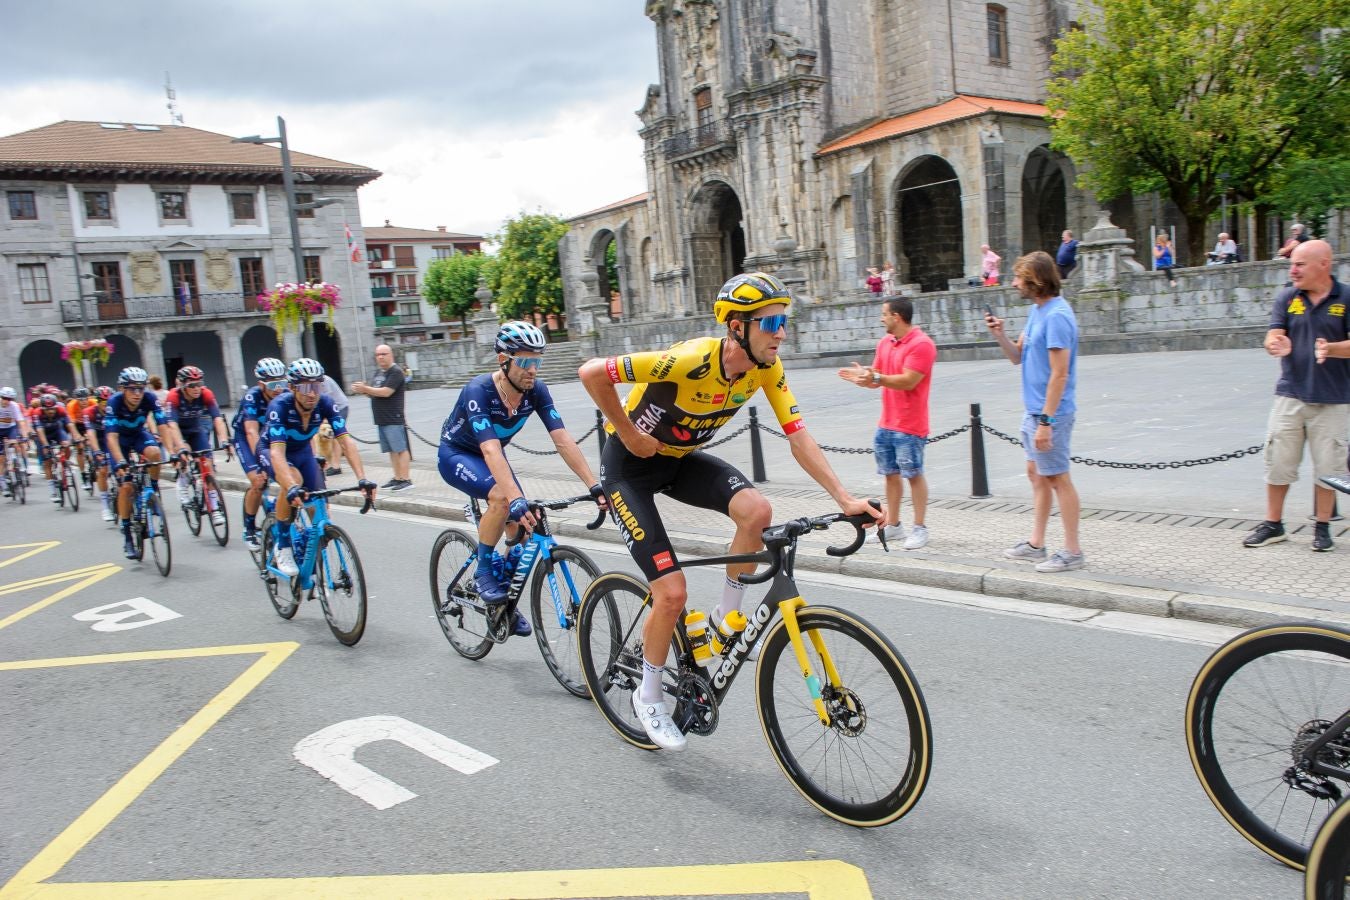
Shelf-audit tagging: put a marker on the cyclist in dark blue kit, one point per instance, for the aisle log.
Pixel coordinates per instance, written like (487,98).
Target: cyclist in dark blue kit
(293,418)
(131,425)
(249,444)
(490,411)
(192,414)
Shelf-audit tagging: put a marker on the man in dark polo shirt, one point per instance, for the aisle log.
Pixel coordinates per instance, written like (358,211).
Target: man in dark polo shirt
(1309,334)
(386,391)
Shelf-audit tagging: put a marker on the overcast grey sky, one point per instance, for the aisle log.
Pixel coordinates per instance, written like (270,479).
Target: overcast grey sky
(474,111)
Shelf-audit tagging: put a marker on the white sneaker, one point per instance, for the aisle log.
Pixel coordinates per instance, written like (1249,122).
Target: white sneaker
(108,514)
(894,533)
(56,492)
(656,721)
(285,562)
(218,519)
(918,538)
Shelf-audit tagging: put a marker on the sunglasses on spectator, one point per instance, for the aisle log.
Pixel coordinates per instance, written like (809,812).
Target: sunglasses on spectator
(307,387)
(273,386)
(528,362)
(771,324)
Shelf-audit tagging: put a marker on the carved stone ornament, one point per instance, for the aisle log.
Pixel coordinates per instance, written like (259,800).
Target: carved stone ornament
(218,276)
(146,271)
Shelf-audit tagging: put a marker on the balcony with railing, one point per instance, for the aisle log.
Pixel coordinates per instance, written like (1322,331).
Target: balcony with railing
(379,293)
(401,319)
(161,307)
(712,138)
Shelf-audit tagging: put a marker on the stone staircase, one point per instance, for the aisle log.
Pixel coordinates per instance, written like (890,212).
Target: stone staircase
(561,360)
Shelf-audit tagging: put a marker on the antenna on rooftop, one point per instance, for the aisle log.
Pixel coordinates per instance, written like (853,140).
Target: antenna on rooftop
(175,117)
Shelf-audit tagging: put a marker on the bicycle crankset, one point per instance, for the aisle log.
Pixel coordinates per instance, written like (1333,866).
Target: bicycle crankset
(695,708)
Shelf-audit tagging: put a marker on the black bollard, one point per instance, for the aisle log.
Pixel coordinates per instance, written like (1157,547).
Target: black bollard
(756,450)
(600,430)
(979,474)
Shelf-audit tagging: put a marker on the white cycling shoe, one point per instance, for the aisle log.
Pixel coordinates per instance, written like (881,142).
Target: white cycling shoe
(285,562)
(656,721)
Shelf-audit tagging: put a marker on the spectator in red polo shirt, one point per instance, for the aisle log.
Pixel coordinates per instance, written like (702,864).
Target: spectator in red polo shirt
(902,369)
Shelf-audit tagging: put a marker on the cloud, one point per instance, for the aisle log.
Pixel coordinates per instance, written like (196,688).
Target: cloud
(473,112)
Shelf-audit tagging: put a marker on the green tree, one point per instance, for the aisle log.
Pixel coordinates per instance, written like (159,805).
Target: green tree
(450,283)
(1192,98)
(1311,188)
(526,277)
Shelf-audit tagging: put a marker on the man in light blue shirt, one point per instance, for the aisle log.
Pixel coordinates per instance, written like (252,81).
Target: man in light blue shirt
(1048,354)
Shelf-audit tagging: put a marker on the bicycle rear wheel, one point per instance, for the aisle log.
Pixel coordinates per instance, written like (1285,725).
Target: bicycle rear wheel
(1329,858)
(613,612)
(18,481)
(221,531)
(571,572)
(1257,702)
(71,486)
(192,510)
(283,592)
(870,764)
(452,569)
(157,533)
(341,585)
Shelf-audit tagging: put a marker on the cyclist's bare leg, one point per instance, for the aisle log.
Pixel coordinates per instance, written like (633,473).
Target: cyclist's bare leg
(492,523)
(153,456)
(257,481)
(752,513)
(285,510)
(669,593)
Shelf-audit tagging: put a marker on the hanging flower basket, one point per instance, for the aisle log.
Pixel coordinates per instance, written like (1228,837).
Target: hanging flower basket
(96,351)
(291,305)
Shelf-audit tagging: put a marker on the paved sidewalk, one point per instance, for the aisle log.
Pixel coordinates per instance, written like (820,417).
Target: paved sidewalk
(1189,567)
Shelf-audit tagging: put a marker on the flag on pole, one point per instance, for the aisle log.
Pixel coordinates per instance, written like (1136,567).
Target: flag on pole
(184,297)
(353,251)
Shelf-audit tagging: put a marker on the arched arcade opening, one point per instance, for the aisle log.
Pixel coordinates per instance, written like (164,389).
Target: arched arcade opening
(1044,202)
(716,240)
(931,231)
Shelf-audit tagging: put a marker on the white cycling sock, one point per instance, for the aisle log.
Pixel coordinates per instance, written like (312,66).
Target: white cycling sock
(733,592)
(651,683)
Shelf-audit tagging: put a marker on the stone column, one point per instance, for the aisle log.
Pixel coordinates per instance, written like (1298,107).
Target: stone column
(785,246)
(591,310)
(484,320)
(1105,257)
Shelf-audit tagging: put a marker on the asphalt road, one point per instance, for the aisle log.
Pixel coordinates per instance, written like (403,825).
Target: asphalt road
(1060,767)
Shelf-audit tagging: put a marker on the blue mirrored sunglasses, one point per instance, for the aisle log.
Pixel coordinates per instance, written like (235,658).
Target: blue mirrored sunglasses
(771,323)
(528,362)
(274,386)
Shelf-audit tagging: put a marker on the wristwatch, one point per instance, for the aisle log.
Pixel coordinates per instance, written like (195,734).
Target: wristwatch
(876,377)
(1043,419)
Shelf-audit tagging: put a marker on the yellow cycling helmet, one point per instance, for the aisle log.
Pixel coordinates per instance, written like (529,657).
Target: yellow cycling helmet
(748,292)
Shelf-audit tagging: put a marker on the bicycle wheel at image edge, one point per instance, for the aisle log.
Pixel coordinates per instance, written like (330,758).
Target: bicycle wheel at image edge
(452,570)
(609,635)
(1255,704)
(283,592)
(157,533)
(221,531)
(870,765)
(572,572)
(340,583)
(192,510)
(1329,858)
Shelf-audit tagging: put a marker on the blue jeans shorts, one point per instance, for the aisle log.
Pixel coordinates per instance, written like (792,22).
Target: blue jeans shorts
(898,453)
(393,439)
(1054,461)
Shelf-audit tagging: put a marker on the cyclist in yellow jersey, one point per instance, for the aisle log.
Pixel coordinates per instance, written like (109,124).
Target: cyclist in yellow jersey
(683,396)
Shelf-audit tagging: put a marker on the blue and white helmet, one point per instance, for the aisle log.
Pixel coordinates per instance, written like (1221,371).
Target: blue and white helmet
(132,375)
(269,367)
(7,393)
(304,369)
(514,336)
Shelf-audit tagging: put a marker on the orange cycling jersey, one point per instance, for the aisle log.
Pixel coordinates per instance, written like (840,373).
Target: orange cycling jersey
(683,395)
(77,407)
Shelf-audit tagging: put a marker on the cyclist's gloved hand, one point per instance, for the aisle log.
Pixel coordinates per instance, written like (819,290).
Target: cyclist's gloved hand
(518,509)
(121,464)
(597,491)
(297,492)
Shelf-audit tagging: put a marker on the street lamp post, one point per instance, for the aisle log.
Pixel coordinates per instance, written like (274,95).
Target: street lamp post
(288,179)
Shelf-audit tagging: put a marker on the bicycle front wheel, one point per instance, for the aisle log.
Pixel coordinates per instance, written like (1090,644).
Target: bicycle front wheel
(869,765)
(341,585)
(614,610)
(1329,858)
(569,572)
(157,533)
(453,562)
(1254,707)
(71,486)
(192,510)
(221,531)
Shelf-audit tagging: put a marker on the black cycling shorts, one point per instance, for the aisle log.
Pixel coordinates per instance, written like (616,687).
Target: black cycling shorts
(632,483)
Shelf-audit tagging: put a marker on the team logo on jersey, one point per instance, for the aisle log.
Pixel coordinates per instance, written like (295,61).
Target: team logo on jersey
(1337,309)
(734,481)
(663,560)
(632,527)
(701,372)
(679,433)
(480,424)
(738,398)
(553,414)
(663,366)
(1296,306)
(628,368)
(465,474)
(273,416)
(473,406)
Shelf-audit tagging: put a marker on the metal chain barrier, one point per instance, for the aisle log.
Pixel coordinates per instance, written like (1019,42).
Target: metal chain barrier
(932,440)
(1176,464)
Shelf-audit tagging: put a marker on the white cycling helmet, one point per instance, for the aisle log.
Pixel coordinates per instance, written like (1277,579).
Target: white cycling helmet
(132,375)
(514,336)
(7,393)
(304,369)
(269,367)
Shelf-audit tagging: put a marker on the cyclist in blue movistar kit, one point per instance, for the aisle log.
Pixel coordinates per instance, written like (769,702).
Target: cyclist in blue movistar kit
(249,443)
(131,425)
(293,419)
(490,411)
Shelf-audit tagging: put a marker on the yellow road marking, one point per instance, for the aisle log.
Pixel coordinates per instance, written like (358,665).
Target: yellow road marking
(818,880)
(83,578)
(33,550)
(60,851)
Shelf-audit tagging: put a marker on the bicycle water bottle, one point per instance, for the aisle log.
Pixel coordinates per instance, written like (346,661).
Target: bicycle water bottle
(498,566)
(512,558)
(299,541)
(696,627)
(730,626)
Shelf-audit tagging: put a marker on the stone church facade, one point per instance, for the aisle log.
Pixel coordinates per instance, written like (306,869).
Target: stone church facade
(816,139)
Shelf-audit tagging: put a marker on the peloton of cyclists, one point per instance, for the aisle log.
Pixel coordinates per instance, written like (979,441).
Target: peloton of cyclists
(132,425)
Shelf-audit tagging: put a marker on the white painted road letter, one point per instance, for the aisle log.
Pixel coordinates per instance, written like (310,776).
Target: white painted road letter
(331,752)
(126,615)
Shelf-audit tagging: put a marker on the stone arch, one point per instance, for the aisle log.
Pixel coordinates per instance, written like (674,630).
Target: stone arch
(256,343)
(717,239)
(657,302)
(328,351)
(1045,212)
(604,244)
(126,352)
(197,348)
(929,224)
(40,363)
(845,245)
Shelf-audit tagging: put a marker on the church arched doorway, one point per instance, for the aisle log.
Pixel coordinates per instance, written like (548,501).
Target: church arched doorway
(1044,205)
(716,240)
(40,363)
(931,234)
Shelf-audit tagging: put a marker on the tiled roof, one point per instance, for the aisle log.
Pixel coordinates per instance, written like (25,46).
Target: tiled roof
(636,198)
(89,147)
(375,234)
(955,109)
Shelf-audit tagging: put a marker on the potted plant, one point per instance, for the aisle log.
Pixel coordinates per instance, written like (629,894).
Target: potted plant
(291,304)
(96,351)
